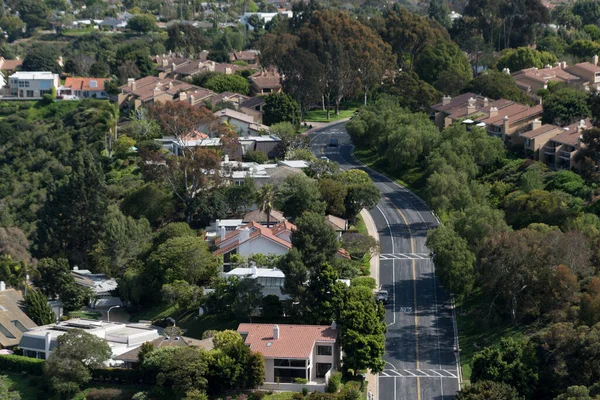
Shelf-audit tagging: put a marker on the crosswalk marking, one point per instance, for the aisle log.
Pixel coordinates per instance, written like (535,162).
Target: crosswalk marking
(404,256)
(418,373)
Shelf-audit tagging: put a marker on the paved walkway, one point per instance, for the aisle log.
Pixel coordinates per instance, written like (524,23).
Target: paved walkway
(372,379)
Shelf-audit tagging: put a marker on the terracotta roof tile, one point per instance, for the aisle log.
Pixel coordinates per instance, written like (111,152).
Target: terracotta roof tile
(295,341)
(77,83)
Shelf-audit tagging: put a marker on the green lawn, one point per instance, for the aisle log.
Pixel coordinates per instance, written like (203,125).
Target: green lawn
(85,314)
(279,396)
(346,111)
(476,331)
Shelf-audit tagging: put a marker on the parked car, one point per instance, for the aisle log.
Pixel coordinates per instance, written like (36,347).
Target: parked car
(334,142)
(382,296)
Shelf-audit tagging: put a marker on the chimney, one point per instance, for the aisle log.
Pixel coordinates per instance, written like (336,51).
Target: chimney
(506,71)
(595,59)
(228,71)
(47,341)
(581,125)
(173,66)
(226,159)
(493,111)
(275,331)
(564,64)
(254,270)
(131,84)
(156,90)
(223,232)
(471,106)
(548,66)
(2,286)
(486,102)
(170,85)
(165,62)
(536,123)
(182,96)
(579,139)
(191,99)
(506,125)
(76,268)
(333,325)
(446,100)
(244,234)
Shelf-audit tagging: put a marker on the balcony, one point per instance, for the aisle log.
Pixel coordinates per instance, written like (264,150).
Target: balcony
(549,151)
(565,155)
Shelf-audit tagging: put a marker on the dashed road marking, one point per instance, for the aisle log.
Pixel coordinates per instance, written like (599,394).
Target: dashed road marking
(418,373)
(404,256)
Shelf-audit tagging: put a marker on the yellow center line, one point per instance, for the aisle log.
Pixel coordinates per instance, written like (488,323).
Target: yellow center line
(414,276)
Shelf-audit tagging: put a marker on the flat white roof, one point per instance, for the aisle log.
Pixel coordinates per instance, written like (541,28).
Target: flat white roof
(294,163)
(256,272)
(33,75)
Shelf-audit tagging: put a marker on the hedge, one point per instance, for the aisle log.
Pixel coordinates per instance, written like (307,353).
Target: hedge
(118,375)
(14,363)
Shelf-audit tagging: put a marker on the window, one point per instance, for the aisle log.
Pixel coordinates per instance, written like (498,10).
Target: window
(324,350)
(43,92)
(29,93)
(322,369)
(280,362)
(19,325)
(6,332)
(93,84)
(285,375)
(24,84)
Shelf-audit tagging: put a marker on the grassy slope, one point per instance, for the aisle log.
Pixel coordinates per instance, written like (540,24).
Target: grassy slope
(346,111)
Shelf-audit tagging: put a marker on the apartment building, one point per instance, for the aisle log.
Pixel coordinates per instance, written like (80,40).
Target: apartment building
(31,85)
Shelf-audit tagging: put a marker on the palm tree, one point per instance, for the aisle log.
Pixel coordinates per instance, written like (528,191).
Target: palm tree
(266,198)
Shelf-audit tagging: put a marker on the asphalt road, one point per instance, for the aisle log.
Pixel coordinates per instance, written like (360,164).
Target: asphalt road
(420,359)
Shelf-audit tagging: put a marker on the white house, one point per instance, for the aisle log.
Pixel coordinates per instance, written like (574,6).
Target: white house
(31,85)
(308,352)
(102,286)
(245,124)
(39,342)
(271,280)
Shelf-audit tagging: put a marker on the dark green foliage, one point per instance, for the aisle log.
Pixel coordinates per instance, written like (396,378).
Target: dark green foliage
(496,85)
(19,364)
(523,57)
(444,66)
(234,298)
(55,281)
(258,157)
(315,239)
(280,107)
(412,92)
(41,59)
(149,201)
(72,217)
(334,382)
(271,307)
(228,83)
(565,106)
(324,296)
(38,309)
(488,390)
(297,195)
(142,23)
(34,13)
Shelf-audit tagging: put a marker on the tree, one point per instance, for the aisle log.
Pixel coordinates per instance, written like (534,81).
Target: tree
(576,393)
(173,230)
(588,10)
(77,353)
(266,197)
(444,58)
(297,195)
(360,197)
(41,59)
(439,10)
(488,390)
(271,307)
(149,201)
(181,293)
(524,57)
(35,14)
(496,85)
(412,92)
(359,245)
(72,217)
(142,23)
(590,303)
(14,273)
(514,363)
(477,222)
(241,197)
(145,349)
(362,330)
(228,83)
(6,392)
(551,208)
(324,296)
(280,107)
(183,258)
(453,260)
(565,106)
(195,170)
(122,146)
(100,69)
(333,194)
(315,239)
(296,275)
(38,309)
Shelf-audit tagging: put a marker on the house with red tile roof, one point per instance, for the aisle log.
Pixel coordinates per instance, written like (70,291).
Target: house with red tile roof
(254,238)
(308,352)
(84,88)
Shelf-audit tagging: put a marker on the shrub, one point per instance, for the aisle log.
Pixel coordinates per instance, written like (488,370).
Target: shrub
(305,391)
(32,366)
(258,394)
(297,396)
(256,156)
(300,380)
(334,382)
(104,394)
(210,333)
(364,281)
(117,375)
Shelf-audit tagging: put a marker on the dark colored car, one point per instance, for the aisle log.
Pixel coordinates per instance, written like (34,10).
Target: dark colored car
(334,142)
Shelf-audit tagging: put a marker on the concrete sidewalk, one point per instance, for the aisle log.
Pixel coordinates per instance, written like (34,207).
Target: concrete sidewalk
(372,379)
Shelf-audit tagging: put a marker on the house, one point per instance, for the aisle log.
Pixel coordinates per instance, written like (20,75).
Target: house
(255,238)
(181,67)
(245,124)
(266,144)
(340,225)
(260,217)
(560,150)
(13,321)
(250,57)
(253,106)
(39,342)
(271,280)
(10,66)
(235,99)
(113,23)
(265,82)
(588,72)
(31,85)
(84,88)
(151,89)
(102,287)
(535,139)
(531,80)
(131,359)
(502,118)
(310,352)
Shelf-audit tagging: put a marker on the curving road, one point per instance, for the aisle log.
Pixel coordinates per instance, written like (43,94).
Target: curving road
(420,358)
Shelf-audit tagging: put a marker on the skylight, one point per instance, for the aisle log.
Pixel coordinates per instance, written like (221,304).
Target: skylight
(93,84)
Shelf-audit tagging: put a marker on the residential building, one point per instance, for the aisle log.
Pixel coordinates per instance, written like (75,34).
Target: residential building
(244,124)
(260,217)
(531,80)
(253,106)
(340,225)
(250,57)
(235,99)
(39,342)
(265,82)
(10,66)
(102,287)
(13,321)
(151,89)
(502,118)
(31,85)
(589,72)
(181,67)
(271,280)
(131,359)
(254,238)
(308,352)
(560,150)
(84,88)
(266,144)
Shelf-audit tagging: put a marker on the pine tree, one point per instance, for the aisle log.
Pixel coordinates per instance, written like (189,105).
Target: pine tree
(72,217)
(38,309)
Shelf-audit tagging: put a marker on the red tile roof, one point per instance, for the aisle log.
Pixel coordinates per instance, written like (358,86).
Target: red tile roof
(295,341)
(77,83)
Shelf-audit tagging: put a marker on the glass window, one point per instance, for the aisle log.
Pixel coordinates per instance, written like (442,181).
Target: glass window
(29,93)
(282,363)
(19,325)
(322,369)
(285,375)
(6,332)
(297,363)
(324,350)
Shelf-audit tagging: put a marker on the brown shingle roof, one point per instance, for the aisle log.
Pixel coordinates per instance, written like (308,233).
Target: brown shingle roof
(588,66)
(10,311)
(266,80)
(261,216)
(539,131)
(337,223)
(295,341)
(144,88)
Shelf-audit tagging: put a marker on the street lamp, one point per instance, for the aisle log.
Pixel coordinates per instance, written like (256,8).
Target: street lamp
(108,313)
